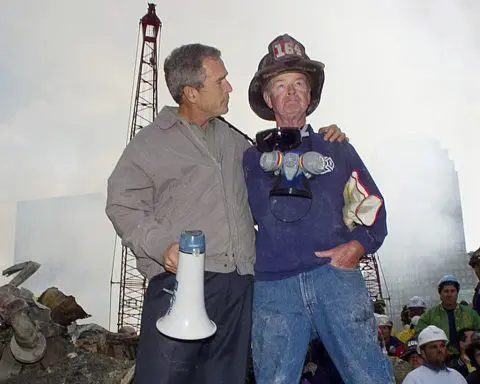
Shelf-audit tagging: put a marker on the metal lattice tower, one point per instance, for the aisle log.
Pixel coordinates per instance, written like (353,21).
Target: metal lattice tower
(369,266)
(144,110)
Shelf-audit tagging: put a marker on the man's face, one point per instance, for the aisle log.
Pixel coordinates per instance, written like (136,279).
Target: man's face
(213,97)
(288,94)
(449,295)
(415,311)
(434,353)
(386,331)
(415,360)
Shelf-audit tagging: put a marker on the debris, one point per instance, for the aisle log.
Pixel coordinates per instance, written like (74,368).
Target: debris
(128,378)
(64,309)
(85,368)
(25,269)
(41,343)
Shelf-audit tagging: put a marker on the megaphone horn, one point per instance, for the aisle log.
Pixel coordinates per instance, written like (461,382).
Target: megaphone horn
(187,318)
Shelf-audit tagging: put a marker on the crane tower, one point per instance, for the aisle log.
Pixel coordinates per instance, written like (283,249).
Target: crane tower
(132,284)
(369,266)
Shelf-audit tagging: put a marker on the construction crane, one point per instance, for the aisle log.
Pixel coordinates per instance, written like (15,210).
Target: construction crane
(132,284)
(371,271)
(371,274)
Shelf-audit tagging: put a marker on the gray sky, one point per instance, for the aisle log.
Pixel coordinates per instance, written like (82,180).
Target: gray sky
(392,68)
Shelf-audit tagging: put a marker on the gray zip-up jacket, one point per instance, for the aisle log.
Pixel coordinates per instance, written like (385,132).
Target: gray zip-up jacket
(166,181)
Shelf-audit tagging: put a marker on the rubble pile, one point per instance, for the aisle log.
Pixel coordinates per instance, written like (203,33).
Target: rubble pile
(77,367)
(41,342)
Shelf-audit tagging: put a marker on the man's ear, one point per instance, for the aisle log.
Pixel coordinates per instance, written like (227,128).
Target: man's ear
(267,99)
(190,94)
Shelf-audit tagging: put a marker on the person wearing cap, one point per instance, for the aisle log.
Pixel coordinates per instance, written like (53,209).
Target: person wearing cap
(410,354)
(473,353)
(449,315)
(474,262)
(184,171)
(415,308)
(393,345)
(432,343)
(309,241)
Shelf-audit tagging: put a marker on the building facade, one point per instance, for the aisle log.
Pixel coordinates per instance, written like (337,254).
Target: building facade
(426,235)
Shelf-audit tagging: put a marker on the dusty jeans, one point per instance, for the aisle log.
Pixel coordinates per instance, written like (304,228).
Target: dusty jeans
(332,301)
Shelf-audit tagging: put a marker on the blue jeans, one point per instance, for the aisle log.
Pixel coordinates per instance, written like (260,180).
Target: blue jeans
(331,301)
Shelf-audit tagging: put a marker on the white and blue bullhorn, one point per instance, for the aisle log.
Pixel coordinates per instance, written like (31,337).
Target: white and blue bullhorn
(187,318)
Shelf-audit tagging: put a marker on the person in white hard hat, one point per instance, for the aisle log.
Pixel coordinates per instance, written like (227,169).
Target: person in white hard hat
(416,307)
(409,331)
(432,346)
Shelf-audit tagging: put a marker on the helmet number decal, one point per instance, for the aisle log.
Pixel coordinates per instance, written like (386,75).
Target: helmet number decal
(283,48)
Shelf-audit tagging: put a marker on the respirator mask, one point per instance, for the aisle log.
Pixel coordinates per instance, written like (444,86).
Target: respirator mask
(290,198)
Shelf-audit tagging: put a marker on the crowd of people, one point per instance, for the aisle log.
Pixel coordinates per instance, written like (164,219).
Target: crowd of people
(440,344)
(286,219)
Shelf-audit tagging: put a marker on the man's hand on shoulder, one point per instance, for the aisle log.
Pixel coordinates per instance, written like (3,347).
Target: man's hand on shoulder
(170,258)
(333,133)
(346,256)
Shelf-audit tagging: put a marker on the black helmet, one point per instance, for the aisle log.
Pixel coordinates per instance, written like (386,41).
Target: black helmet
(285,54)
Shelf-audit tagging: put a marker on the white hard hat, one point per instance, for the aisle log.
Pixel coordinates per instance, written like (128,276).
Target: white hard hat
(416,302)
(429,334)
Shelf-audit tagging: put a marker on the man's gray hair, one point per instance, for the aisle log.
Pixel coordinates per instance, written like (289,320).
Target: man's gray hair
(184,67)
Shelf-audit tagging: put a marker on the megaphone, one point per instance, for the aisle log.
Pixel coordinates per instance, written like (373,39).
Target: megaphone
(187,318)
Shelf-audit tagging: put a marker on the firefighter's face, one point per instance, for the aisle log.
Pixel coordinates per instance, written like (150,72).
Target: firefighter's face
(288,94)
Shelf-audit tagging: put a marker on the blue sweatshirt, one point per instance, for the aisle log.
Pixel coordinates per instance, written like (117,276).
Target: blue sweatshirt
(287,249)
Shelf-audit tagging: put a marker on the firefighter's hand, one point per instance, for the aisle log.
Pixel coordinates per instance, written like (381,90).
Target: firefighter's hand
(170,258)
(333,133)
(344,256)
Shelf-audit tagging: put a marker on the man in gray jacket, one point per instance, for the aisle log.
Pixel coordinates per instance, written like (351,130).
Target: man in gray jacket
(184,171)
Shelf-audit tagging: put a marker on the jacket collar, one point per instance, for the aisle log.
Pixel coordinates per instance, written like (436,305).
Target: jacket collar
(168,117)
